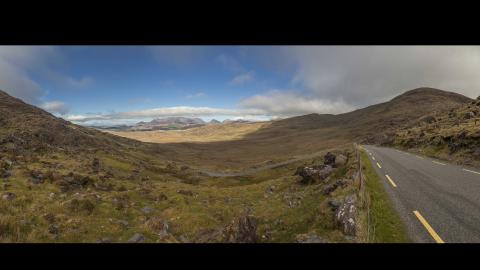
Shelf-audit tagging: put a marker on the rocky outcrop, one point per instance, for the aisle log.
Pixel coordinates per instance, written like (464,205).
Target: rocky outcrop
(329,159)
(241,230)
(314,174)
(340,160)
(345,216)
(331,188)
(158,225)
(137,238)
(309,238)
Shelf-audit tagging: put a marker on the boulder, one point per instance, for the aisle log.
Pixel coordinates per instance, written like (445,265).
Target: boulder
(308,238)
(314,174)
(345,216)
(147,210)
(469,115)
(241,230)
(185,192)
(37,177)
(5,174)
(329,159)
(209,236)
(158,225)
(105,240)
(137,238)
(340,160)
(333,204)
(72,182)
(331,188)
(428,119)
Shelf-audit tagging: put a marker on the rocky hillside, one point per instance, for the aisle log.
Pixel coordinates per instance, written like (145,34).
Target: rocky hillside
(61,182)
(452,135)
(25,127)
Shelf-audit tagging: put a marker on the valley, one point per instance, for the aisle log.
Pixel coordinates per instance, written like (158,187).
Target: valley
(288,180)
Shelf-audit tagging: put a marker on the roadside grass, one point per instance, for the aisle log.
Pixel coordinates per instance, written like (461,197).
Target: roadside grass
(383,222)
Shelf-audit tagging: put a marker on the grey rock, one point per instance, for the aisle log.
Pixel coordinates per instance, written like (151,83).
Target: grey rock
(345,216)
(314,174)
(123,222)
(137,238)
(53,229)
(105,240)
(5,174)
(309,238)
(331,188)
(329,159)
(334,204)
(183,239)
(147,210)
(241,230)
(340,160)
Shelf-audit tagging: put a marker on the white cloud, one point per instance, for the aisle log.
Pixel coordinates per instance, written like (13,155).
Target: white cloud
(364,75)
(166,112)
(243,78)
(55,107)
(19,63)
(291,103)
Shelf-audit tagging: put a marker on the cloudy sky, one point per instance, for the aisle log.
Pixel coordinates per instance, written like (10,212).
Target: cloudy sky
(105,85)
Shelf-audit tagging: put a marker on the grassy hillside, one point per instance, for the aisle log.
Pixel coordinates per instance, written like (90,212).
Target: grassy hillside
(65,183)
(452,135)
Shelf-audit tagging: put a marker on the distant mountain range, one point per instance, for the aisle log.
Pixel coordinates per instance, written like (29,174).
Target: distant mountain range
(169,123)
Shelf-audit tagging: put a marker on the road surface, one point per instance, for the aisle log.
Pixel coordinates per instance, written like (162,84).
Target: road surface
(439,202)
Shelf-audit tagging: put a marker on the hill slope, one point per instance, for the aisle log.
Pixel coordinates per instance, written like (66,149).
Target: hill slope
(61,182)
(28,127)
(282,139)
(453,135)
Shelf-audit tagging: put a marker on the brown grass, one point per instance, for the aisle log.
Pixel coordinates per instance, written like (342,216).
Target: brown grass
(208,133)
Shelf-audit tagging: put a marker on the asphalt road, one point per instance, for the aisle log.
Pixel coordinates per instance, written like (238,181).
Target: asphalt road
(438,202)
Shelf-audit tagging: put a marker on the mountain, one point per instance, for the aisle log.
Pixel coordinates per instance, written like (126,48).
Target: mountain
(26,127)
(214,121)
(297,136)
(61,182)
(452,135)
(229,121)
(366,123)
(169,123)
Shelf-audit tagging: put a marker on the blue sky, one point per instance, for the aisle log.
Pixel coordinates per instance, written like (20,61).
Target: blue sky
(126,84)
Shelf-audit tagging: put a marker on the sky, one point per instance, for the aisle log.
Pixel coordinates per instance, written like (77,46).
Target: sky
(112,85)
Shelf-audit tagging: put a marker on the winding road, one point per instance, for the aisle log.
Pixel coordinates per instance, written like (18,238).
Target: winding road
(439,202)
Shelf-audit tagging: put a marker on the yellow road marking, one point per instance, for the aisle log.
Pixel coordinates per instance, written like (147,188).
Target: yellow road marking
(438,162)
(419,156)
(429,228)
(373,157)
(471,171)
(379,165)
(391,181)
